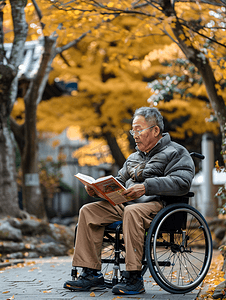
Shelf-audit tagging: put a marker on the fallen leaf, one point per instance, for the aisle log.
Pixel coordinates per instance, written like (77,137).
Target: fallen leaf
(31,270)
(31,263)
(6,292)
(46,292)
(92,294)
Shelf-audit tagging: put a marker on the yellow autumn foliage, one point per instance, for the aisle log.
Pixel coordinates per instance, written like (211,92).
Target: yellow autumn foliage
(114,62)
(97,151)
(18,112)
(198,121)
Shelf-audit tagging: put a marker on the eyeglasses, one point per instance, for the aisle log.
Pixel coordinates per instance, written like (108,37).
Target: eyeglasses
(138,132)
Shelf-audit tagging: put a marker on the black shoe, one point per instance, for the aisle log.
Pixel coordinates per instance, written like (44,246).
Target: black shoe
(131,284)
(87,281)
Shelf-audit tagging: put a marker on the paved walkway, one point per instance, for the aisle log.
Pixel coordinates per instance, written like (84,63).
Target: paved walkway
(43,279)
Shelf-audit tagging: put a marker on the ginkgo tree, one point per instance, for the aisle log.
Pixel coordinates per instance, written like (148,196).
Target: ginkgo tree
(17,32)
(112,77)
(181,95)
(110,85)
(109,89)
(197,27)
(109,104)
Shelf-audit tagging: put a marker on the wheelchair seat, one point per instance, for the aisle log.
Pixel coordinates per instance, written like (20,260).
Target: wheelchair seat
(113,225)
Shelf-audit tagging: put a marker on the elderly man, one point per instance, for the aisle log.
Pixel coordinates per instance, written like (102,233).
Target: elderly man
(158,167)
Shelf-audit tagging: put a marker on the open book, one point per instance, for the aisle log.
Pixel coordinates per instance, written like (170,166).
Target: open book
(106,187)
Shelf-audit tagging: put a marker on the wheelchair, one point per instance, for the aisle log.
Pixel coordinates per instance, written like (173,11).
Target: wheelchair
(177,249)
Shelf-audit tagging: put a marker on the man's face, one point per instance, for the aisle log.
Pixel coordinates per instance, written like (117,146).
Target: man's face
(147,139)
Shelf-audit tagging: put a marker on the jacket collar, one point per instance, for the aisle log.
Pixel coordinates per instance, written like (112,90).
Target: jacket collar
(158,146)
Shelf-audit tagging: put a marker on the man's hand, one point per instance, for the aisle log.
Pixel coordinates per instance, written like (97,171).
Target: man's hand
(135,191)
(91,192)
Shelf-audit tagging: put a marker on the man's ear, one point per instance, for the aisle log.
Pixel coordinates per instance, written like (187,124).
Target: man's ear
(156,131)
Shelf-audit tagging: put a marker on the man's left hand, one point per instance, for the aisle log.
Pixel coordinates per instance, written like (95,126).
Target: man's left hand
(134,191)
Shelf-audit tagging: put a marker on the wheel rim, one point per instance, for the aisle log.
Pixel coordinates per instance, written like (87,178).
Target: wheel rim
(183,263)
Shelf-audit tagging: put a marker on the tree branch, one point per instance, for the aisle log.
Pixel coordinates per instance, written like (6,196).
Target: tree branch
(205,36)
(73,43)
(39,13)
(1,38)
(18,131)
(20,32)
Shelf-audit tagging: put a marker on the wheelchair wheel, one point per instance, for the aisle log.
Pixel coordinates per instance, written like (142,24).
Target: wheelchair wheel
(178,248)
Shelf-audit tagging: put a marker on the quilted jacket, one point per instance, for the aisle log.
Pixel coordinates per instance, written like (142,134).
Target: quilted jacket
(167,169)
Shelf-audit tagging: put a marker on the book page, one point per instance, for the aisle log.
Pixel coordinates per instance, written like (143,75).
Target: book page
(113,189)
(109,185)
(104,178)
(85,178)
(116,197)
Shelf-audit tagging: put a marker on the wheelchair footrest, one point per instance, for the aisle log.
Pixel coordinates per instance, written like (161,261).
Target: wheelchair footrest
(74,273)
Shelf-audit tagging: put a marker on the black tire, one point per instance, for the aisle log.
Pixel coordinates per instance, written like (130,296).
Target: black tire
(178,248)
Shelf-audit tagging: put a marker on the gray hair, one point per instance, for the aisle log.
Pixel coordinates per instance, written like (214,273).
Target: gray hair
(151,114)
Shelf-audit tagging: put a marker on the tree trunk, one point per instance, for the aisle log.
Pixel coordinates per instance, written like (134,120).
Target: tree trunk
(202,63)
(216,101)
(115,149)
(8,187)
(32,197)
(31,189)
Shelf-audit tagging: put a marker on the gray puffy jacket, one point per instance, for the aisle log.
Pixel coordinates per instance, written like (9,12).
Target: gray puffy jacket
(167,169)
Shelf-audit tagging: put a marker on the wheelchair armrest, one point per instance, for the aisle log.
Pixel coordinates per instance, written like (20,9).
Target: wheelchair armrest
(189,195)
(177,199)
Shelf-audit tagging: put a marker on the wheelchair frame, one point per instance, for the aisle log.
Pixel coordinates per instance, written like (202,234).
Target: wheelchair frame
(177,248)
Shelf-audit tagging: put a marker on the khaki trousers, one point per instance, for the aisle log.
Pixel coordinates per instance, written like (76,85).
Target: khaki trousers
(93,218)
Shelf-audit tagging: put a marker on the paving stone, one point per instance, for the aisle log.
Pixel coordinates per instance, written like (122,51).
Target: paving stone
(43,279)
